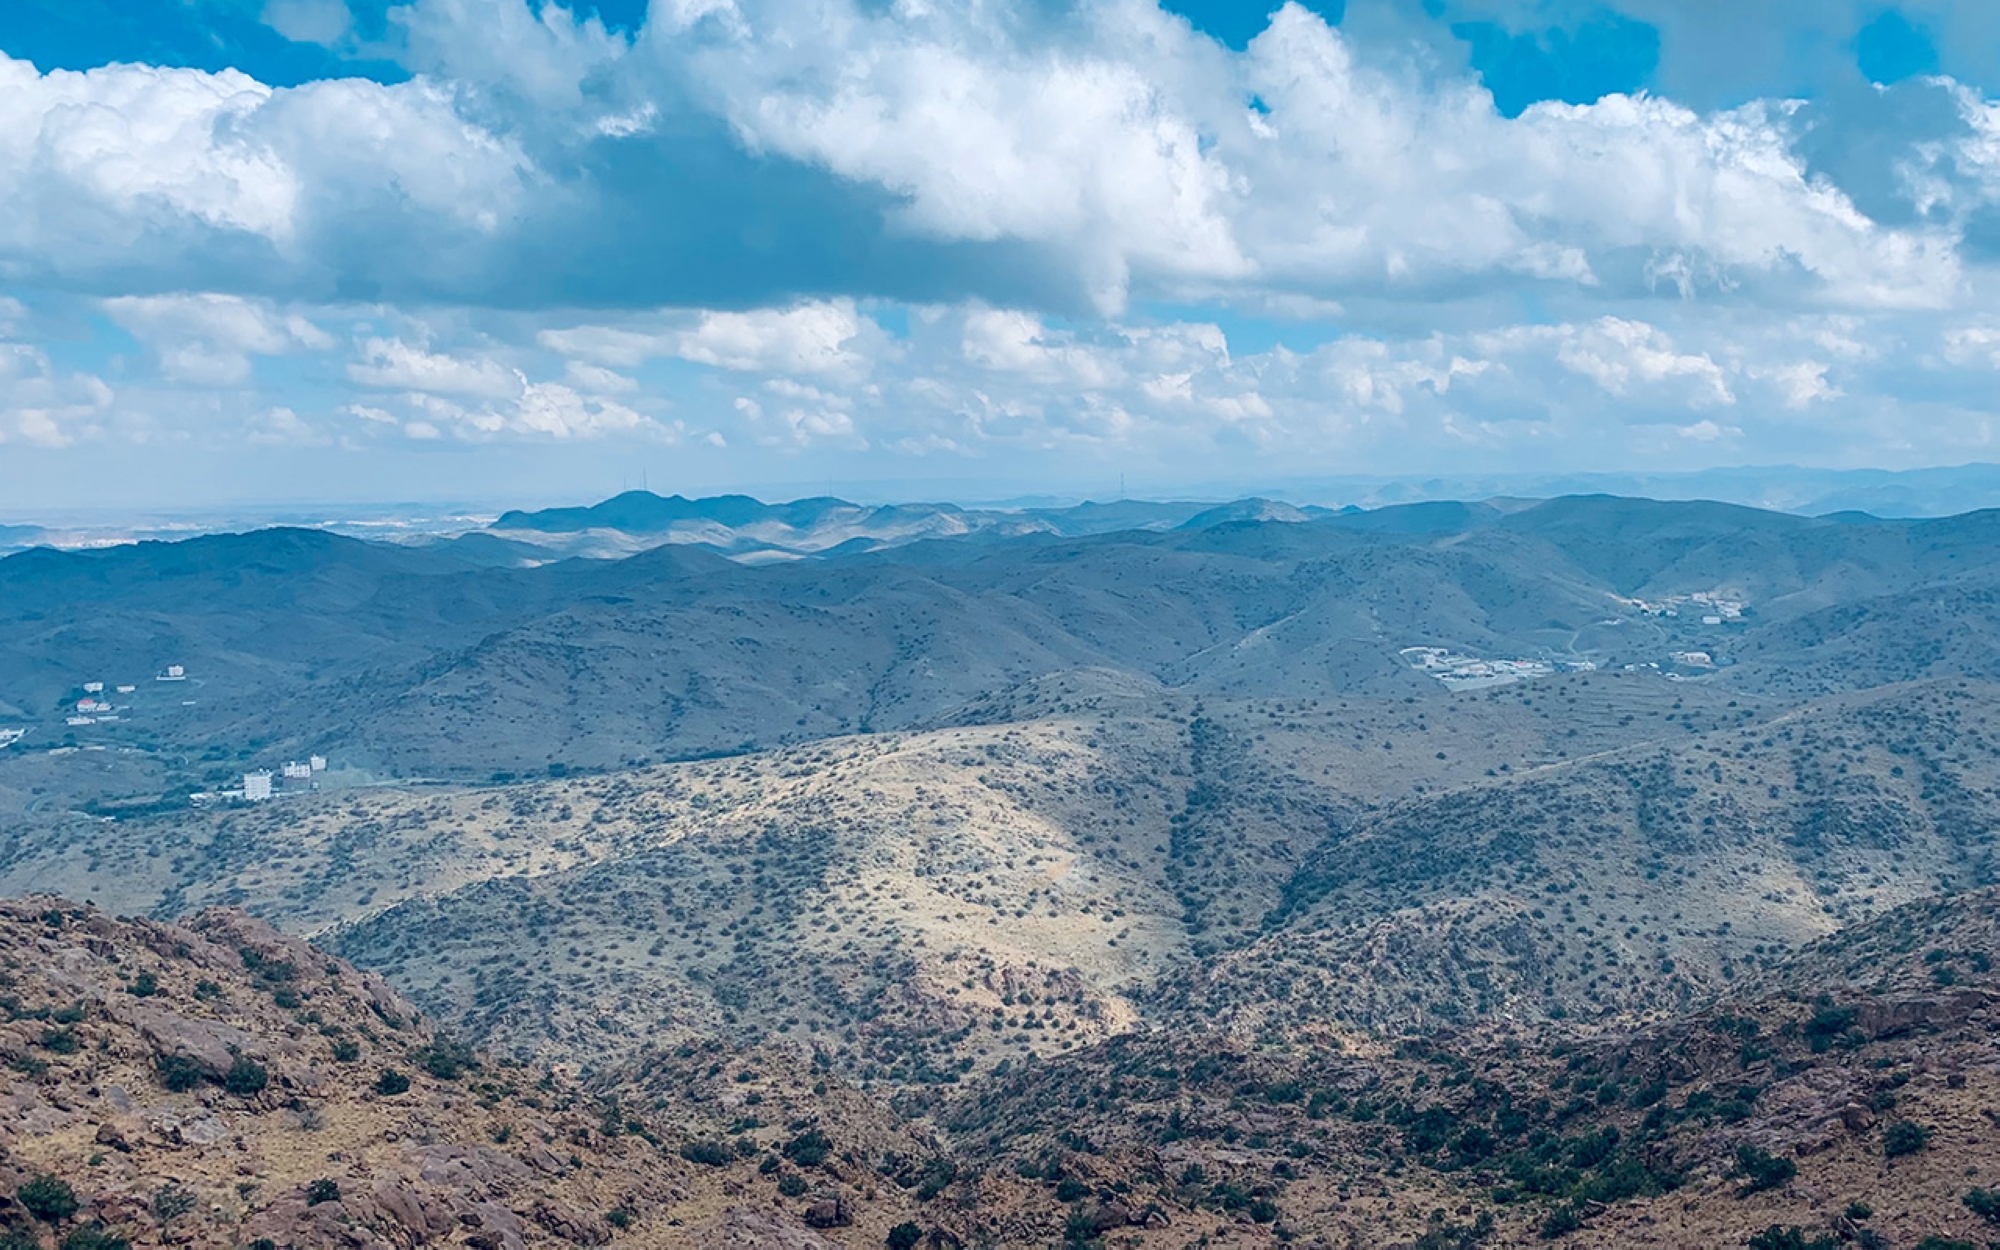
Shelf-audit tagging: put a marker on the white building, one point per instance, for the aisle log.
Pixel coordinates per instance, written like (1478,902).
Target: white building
(317,763)
(93,687)
(174,673)
(126,689)
(295,771)
(257,786)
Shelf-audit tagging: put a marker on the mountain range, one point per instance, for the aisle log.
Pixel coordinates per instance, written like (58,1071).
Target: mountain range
(1453,873)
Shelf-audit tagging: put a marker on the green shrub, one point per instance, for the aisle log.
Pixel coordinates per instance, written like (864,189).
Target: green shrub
(1904,1137)
(809,1149)
(47,1198)
(904,1236)
(94,1237)
(791,1184)
(179,1073)
(1985,1204)
(1763,1170)
(391,1083)
(712,1153)
(346,1050)
(449,1060)
(171,1202)
(1562,1221)
(324,1189)
(246,1077)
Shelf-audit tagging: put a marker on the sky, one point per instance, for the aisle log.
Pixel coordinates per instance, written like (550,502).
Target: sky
(364,250)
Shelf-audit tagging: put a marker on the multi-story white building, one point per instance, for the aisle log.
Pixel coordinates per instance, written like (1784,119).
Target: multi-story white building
(257,786)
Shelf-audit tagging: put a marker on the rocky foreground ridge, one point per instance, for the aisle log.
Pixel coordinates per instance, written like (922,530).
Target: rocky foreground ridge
(217,1083)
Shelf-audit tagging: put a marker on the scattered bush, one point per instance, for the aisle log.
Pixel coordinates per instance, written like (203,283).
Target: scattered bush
(391,1083)
(47,1198)
(324,1189)
(246,1077)
(1905,1137)
(792,1185)
(1985,1204)
(809,1149)
(1762,1170)
(94,1237)
(711,1153)
(904,1236)
(449,1060)
(171,1202)
(179,1073)
(1562,1221)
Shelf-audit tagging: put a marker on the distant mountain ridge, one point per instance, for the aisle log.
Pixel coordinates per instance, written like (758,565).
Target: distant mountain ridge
(748,528)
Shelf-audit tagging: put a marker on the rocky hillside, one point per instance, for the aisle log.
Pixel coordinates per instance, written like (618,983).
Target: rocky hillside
(1852,1097)
(220,1084)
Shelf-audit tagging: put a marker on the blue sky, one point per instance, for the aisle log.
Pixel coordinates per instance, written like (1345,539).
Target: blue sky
(260,250)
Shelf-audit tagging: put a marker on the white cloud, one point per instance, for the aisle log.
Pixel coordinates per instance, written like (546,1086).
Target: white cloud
(812,338)
(135,168)
(1130,150)
(392,364)
(1621,355)
(207,339)
(41,406)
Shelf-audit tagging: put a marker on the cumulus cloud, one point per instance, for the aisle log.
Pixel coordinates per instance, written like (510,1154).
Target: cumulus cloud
(44,407)
(392,364)
(133,172)
(208,339)
(967,230)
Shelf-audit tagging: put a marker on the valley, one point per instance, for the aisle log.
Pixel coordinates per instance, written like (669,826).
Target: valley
(1273,841)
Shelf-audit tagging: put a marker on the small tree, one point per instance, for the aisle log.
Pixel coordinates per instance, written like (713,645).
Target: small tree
(809,1149)
(1763,1170)
(179,1073)
(904,1236)
(1985,1204)
(47,1198)
(1904,1137)
(171,1202)
(324,1189)
(391,1083)
(246,1077)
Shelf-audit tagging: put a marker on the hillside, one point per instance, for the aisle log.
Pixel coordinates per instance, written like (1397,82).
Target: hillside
(1847,1098)
(219,1084)
(1633,882)
(453,662)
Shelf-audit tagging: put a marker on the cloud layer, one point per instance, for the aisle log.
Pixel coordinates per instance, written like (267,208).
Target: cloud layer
(1012,232)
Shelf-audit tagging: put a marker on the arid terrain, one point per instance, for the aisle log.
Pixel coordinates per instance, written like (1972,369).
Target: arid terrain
(1592,870)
